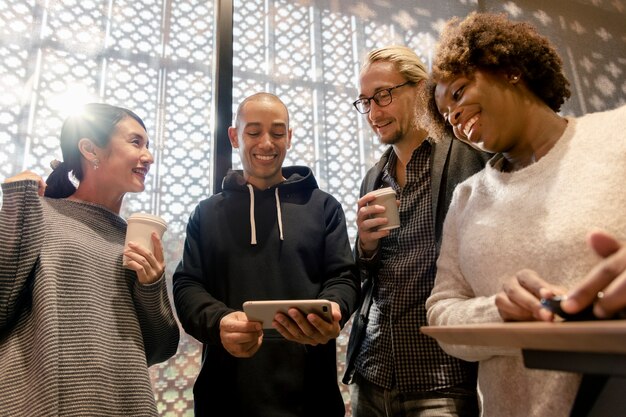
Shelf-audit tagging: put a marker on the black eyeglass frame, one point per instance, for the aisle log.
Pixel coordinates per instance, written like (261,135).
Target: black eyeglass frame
(369,99)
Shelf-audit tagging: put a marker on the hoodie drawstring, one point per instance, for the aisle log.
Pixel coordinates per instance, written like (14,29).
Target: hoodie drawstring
(252,222)
(279,215)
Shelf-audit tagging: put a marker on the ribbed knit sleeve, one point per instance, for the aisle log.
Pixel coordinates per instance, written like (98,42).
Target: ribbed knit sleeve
(21,232)
(156,319)
(453,301)
(79,339)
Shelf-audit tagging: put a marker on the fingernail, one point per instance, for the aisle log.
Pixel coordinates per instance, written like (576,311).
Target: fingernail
(568,304)
(599,312)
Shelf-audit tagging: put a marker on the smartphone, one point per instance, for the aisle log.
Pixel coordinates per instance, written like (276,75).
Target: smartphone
(554,305)
(264,311)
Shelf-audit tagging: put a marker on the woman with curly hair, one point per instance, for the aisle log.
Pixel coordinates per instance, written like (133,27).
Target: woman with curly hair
(515,232)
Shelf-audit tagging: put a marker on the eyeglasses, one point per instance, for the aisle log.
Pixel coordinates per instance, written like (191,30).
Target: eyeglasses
(382,98)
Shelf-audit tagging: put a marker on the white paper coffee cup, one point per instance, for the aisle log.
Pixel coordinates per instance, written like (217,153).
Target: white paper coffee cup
(387,197)
(140,228)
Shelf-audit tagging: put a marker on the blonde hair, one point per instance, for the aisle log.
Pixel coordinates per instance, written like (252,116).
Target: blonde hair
(411,67)
(404,59)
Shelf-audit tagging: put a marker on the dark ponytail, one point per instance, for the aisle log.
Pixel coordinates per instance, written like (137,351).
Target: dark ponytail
(96,122)
(58,182)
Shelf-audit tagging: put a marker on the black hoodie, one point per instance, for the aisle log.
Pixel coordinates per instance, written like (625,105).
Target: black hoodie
(286,242)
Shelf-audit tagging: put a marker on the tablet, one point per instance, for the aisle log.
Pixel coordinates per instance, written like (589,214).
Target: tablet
(264,311)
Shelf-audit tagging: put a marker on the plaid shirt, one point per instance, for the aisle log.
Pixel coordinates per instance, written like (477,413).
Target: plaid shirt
(394,352)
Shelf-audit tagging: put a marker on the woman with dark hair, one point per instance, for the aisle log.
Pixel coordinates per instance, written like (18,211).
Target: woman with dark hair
(515,232)
(97,122)
(77,330)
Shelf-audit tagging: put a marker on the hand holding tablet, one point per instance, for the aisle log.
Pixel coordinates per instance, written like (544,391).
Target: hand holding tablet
(264,311)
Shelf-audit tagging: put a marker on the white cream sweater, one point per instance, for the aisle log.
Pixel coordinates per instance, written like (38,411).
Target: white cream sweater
(537,218)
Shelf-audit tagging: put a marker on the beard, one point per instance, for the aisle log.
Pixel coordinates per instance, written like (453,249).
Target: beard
(393,139)
(400,134)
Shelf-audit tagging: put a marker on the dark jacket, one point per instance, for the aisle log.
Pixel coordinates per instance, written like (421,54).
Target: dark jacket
(451,163)
(230,257)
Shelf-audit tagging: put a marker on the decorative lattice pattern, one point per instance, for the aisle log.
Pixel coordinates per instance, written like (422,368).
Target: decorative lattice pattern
(157,59)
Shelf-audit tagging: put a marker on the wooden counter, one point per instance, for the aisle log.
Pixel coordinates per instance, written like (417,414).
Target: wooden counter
(597,349)
(606,336)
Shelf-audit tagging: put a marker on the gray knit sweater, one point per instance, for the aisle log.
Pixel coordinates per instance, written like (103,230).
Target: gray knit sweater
(77,330)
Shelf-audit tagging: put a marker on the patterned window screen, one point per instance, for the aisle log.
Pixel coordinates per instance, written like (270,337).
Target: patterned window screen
(156,57)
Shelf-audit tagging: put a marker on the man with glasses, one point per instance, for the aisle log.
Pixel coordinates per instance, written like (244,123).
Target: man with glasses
(395,370)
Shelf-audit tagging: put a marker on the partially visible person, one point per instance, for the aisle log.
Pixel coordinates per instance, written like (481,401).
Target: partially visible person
(605,285)
(77,330)
(603,288)
(499,85)
(395,370)
(271,234)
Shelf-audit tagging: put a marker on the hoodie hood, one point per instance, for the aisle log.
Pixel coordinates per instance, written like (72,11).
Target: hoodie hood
(298,179)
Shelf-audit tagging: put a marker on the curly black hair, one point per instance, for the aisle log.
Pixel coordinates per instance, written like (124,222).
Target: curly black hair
(492,42)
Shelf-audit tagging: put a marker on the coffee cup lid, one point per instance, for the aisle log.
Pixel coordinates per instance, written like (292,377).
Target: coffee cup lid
(147,217)
(384,191)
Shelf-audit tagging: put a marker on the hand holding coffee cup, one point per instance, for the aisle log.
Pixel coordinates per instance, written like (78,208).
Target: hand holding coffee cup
(386,197)
(371,216)
(139,231)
